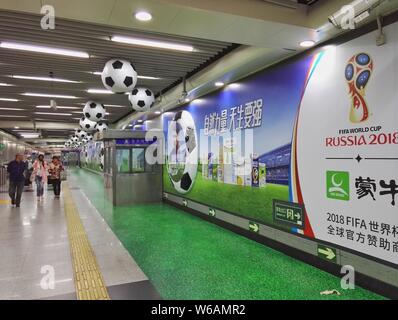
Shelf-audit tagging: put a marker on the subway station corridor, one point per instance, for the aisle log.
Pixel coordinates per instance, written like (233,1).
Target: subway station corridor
(198,159)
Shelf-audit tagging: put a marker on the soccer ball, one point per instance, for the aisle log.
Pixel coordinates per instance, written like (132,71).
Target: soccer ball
(84,141)
(101,127)
(119,76)
(102,158)
(74,139)
(182,144)
(87,124)
(89,137)
(141,99)
(81,134)
(94,111)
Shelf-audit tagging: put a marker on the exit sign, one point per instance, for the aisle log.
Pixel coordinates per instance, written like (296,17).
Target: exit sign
(289,213)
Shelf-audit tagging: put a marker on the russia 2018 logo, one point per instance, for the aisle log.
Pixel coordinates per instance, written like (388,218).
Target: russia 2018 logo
(357,73)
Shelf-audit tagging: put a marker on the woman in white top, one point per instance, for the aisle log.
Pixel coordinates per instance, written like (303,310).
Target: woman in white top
(39,175)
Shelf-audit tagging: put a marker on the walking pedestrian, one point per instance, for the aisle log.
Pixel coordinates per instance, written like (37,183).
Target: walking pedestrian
(39,175)
(16,170)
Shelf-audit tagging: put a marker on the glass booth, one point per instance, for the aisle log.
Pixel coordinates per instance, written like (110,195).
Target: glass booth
(128,178)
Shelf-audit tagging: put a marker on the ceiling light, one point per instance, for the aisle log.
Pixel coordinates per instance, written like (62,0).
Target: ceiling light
(41,49)
(152,43)
(307,43)
(58,107)
(46,95)
(113,106)
(219,84)
(16,127)
(143,16)
(8,99)
(158,112)
(2,84)
(44,79)
(187,100)
(12,109)
(140,121)
(11,116)
(54,113)
(99,91)
(234,85)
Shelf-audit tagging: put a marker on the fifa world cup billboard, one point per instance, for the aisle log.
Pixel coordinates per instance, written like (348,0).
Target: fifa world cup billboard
(309,146)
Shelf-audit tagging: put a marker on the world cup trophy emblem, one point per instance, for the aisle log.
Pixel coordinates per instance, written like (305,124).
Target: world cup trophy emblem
(357,73)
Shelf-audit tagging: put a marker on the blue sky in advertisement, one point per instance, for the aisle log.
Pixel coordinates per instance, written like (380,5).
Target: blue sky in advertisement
(280,88)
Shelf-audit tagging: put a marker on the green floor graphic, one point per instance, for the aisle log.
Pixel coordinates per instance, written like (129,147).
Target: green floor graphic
(186,257)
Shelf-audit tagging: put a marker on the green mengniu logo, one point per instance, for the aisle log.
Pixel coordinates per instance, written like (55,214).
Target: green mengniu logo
(338,185)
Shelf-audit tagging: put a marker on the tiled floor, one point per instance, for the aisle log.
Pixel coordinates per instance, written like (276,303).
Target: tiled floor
(35,236)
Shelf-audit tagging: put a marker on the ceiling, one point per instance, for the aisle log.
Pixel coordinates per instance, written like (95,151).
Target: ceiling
(167,65)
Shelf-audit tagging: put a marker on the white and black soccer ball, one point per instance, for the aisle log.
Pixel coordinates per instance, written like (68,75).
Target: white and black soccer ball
(101,127)
(94,111)
(89,137)
(119,76)
(87,124)
(81,134)
(182,146)
(141,99)
(84,141)
(102,158)
(74,139)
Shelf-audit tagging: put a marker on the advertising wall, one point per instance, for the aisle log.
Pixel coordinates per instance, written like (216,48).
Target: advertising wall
(92,156)
(322,135)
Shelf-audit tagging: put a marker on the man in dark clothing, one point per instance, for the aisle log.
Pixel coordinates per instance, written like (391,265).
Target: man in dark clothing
(16,169)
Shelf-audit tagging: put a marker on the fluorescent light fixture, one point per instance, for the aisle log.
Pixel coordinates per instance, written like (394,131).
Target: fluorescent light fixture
(307,43)
(187,100)
(234,85)
(44,79)
(46,95)
(58,107)
(12,109)
(143,16)
(42,49)
(16,127)
(11,116)
(219,84)
(158,112)
(30,135)
(54,113)
(114,106)
(99,73)
(99,91)
(2,84)
(140,121)
(152,43)
(9,100)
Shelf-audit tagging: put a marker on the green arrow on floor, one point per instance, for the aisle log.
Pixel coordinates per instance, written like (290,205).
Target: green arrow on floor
(254,227)
(327,253)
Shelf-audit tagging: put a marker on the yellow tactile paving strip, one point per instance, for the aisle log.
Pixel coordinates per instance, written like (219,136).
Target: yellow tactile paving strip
(5,201)
(89,282)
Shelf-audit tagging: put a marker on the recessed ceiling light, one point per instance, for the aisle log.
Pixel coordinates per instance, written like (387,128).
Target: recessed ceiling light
(16,127)
(307,43)
(99,91)
(54,113)
(44,79)
(12,109)
(58,107)
(219,84)
(158,112)
(2,84)
(140,121)
(187,100)
(11,116)
(143,16)
(9,99)
(42,49)
(153,43)
(113,106)
(46,95)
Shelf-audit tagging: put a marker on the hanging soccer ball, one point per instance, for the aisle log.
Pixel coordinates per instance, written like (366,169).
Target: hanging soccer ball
(94,111)
(74,139)
(182,145)
(141,99)
(119,76)
(81,134)
(89,137)
(101,127)
(84,141)
(87,124)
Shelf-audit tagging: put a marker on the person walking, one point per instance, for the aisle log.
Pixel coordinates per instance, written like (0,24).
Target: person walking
(54,169)
(16,170)
(39,175)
